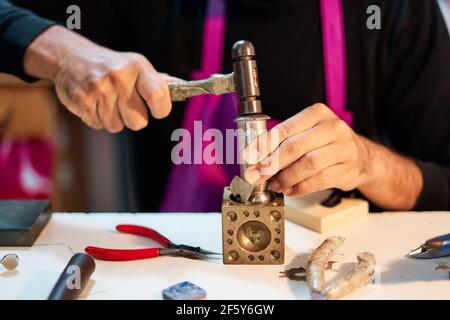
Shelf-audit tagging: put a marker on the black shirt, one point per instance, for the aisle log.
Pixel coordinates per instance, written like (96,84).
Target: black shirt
(398,77)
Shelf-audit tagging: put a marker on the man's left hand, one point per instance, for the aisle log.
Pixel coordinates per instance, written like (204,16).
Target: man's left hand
(315,151)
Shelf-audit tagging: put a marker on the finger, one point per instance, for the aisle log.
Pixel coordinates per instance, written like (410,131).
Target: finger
(134,111)
(87,112)
(326,179)
(92,119)
(154,90)
(302,121)
(108,113)
(80,105)
(306,167)
(291,150)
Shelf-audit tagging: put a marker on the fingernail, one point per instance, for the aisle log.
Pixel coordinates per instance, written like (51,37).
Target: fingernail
(252,176)
(275,186)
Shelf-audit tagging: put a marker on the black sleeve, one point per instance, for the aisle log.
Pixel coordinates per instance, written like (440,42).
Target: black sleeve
(18,27)
(416,97)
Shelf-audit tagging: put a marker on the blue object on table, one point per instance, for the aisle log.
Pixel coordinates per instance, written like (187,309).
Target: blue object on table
(433,248)
(184,291)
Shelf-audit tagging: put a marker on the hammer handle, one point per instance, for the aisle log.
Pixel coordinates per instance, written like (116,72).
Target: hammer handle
(216,84)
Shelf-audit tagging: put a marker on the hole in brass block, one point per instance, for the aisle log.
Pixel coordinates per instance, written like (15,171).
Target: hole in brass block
(246,213)
(275,216)
(230,241)
(277,240)
(256,213)
(278,230)
(231,216)
(251,258)
(261,258)
(275,255)
(232,256)
(236,197)
(230,232)
(253,236)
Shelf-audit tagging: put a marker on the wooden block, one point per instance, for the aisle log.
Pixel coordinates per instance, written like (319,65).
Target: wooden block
(308,212)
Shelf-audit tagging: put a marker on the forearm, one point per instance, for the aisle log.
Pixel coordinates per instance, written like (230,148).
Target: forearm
(393,181)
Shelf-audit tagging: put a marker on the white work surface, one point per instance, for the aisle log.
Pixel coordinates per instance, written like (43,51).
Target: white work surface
(389,236)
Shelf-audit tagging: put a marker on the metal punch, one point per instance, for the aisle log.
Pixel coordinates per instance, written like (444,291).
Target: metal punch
(433,248)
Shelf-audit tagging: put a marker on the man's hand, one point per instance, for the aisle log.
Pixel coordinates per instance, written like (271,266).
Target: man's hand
(316,151)
(105,88)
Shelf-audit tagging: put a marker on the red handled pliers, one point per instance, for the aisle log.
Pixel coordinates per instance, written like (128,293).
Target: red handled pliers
(170,249)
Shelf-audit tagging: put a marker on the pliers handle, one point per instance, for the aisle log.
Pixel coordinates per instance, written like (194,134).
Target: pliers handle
(145,232)
(131,254)
(155,235)
(122,254)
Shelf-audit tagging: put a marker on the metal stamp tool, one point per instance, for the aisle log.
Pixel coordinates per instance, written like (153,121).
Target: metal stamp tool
(252,216)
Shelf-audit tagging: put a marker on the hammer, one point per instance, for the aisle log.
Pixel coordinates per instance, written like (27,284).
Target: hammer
(244,81)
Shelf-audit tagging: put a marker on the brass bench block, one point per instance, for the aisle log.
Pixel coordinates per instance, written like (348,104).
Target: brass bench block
(253,234)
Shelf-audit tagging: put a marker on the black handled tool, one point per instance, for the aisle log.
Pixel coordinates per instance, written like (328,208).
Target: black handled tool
(74,278)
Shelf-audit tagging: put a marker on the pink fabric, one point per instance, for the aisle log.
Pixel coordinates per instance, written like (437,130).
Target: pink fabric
(333,39)
(199,187)
(26,169)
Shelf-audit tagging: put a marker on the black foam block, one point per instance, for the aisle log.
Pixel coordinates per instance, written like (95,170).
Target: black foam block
(21,222)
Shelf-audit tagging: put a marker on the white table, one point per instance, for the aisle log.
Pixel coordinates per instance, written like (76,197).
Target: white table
(389,236)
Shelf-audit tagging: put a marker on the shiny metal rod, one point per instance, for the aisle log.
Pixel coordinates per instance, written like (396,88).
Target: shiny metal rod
(250,127)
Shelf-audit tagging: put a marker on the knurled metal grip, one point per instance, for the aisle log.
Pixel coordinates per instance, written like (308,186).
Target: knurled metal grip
(246,77)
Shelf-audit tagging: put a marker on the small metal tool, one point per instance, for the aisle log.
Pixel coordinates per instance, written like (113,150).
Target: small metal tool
(216,84)
(241,190)
(169,248)
(433,248)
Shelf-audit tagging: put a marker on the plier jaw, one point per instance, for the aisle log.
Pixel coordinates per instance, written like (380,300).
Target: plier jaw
(433,248)
(199,250)
(183,253)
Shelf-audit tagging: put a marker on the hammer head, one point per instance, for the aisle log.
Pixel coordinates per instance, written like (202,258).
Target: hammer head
(246,77)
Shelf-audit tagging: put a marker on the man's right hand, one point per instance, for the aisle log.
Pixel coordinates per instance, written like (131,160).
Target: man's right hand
(105,88)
